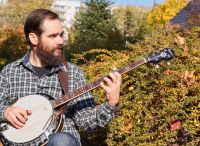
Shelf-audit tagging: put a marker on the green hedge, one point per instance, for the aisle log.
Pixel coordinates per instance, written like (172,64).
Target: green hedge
(159,106)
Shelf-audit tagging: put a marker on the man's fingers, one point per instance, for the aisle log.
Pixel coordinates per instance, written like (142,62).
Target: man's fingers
(17,116)
(16,122)
(29,112)
(118,77)
(106,88)
(113,77)
(107,80)
(21,118)
(14,125)
(24,114)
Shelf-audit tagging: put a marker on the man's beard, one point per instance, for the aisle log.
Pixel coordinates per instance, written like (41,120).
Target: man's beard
(48,58)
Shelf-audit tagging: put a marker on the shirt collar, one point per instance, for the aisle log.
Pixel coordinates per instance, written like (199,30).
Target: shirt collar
(24,60)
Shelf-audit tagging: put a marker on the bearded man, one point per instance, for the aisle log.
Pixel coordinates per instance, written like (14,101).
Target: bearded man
(37,73)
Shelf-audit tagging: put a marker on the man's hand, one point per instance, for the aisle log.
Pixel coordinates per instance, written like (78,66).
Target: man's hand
(112,87)
(16,116)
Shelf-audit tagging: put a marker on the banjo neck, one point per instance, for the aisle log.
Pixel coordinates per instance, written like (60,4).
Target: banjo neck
(77,92)
(165,54)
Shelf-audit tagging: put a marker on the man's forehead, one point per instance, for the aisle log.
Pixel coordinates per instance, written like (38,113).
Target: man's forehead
(51,26)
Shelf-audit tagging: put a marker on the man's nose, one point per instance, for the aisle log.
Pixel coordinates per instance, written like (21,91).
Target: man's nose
(60,40)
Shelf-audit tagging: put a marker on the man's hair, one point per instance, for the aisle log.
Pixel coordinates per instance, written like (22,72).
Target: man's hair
(35,20)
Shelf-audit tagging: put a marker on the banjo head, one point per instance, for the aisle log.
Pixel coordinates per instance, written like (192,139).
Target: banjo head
(37,122)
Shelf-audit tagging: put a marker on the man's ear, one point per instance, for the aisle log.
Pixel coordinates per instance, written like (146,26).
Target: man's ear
(33,38)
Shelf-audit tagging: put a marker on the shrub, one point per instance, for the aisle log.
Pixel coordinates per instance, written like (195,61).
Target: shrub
(159,106)
(12,46)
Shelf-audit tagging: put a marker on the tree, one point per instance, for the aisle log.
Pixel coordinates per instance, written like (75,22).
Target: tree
(95,27)
(12,16)
(162,13)
(131,22)
(13,13)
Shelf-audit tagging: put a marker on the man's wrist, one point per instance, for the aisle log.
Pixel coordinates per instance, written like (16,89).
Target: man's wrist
(3,112)
(113,104)
(112,108)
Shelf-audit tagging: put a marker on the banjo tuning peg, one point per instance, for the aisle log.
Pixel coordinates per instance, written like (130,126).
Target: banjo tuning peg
(157,66)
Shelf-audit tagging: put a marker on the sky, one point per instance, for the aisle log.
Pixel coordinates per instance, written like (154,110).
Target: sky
(146,3)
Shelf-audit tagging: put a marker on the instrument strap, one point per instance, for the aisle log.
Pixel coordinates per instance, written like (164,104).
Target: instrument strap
(63,78)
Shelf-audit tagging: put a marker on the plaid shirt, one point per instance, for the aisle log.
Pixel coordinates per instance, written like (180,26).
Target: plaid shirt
(18,79)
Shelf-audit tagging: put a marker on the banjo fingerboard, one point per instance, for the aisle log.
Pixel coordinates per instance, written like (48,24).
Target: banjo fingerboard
(77,92)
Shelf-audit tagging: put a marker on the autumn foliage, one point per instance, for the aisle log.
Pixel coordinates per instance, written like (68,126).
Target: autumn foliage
(159,106)
(162,13)
(12,45)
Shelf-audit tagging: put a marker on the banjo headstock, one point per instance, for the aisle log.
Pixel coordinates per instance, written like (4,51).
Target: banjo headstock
(165,54)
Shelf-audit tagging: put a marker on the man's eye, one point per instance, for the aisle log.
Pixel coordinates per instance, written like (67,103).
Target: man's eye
(53,36)
(62,35)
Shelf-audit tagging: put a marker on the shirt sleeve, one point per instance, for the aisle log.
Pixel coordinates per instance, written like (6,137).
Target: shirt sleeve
(92,117)
(3,96)
(86,115)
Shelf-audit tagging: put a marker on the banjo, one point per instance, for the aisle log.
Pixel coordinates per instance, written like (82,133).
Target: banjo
(47,118)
